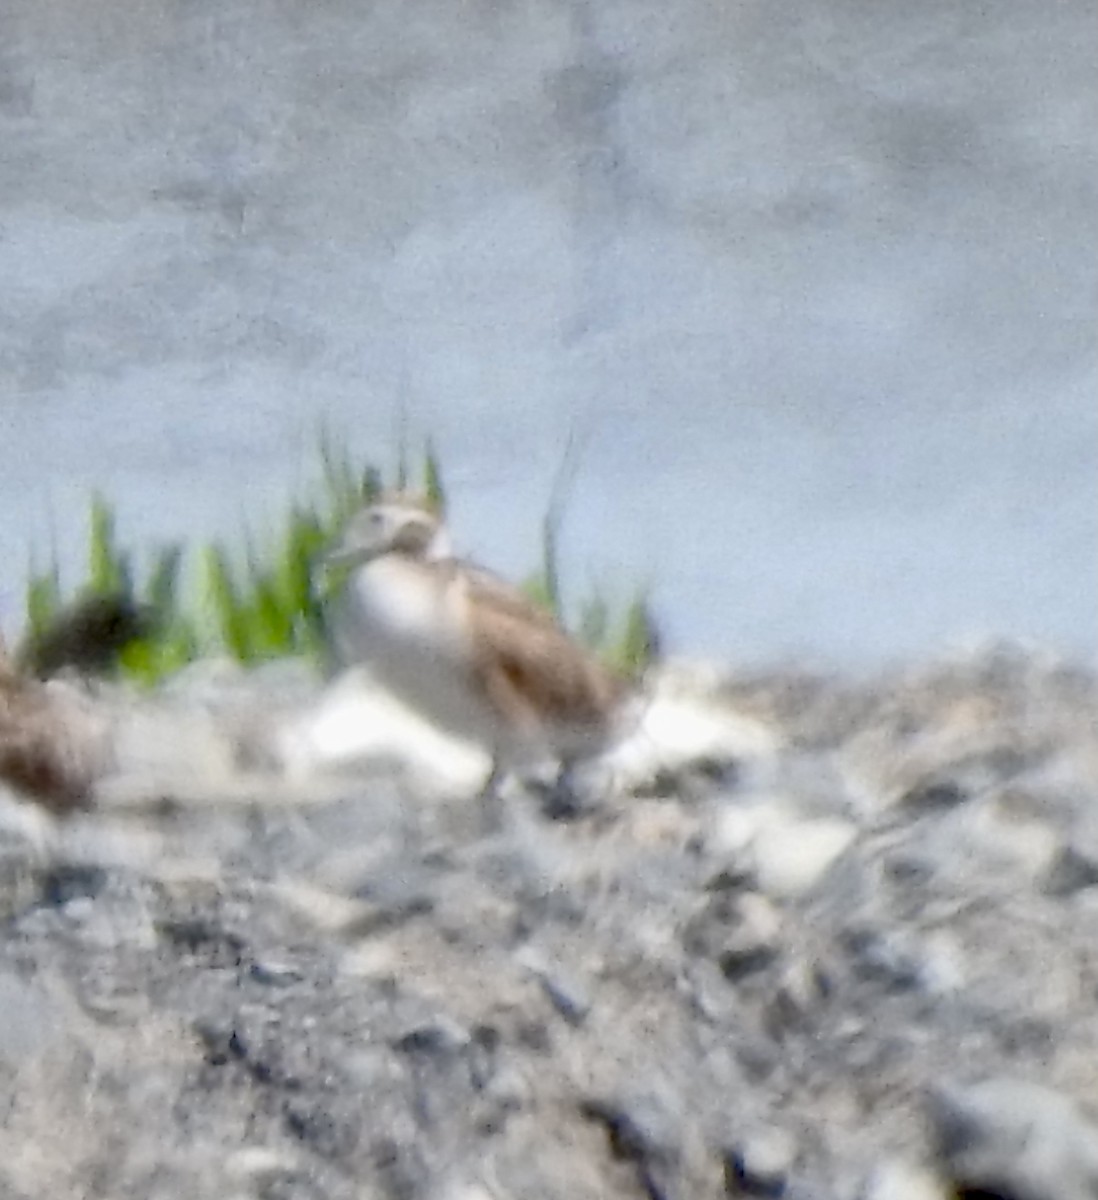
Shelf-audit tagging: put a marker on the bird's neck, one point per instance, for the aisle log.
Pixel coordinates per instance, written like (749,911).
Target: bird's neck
(439,547)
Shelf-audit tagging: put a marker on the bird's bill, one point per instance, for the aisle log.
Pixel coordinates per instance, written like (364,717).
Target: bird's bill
(350,548)
(341,553)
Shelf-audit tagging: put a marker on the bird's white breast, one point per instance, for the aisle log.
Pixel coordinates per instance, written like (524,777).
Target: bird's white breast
(405,622)
(393,609)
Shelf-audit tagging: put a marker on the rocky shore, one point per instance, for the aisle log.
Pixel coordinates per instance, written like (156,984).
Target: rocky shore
(812,937)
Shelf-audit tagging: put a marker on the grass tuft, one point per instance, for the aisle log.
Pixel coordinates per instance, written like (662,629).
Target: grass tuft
(263,602)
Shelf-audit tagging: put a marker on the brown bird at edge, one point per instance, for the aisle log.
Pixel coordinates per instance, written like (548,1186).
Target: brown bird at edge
(52,748)
(466,649)
(39,754)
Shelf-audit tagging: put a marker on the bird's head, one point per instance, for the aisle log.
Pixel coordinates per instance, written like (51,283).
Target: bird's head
(400,525)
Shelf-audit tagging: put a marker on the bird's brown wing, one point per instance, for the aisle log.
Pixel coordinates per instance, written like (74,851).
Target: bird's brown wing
(493,592)
(524,658)
(42,746)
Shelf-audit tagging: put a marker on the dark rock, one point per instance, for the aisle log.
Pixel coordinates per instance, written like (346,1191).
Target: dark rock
(1071,871)
(730,879)
(567,997)
(934,794)
(434,1038)
(204,938)
(222,1042)
(483,1054)
(738,962)
(884,956)
(275,974)
(798,1001)
(641,1130)
(319,1130)
(563,991)
(738,930)
(694,780)
(401,1169)
(70,881)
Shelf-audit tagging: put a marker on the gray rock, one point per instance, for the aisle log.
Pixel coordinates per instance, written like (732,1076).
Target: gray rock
(564,991)
(644,1130)
(375,998)
(1071,871)
(29,1021)
(889,956)
(933,794)
(799,999)
(1017,1140)
(740,932)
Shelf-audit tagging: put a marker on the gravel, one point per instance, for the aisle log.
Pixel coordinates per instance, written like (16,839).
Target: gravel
(856,963)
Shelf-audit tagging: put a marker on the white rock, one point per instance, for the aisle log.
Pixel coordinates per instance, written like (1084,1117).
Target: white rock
(736,827)
(792,857)
(898,1180)
(259,1164)
(764,1161)
(27,824)
(469,1190)
(676,727)
(356,723)
(943,968)
(760,922)
(1014,839)
(788,854)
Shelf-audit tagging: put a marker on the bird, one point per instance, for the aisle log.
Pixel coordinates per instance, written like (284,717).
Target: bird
(52,748)
(465,648)
(54,744)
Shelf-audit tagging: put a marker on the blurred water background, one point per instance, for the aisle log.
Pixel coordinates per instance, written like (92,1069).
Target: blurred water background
(812,285)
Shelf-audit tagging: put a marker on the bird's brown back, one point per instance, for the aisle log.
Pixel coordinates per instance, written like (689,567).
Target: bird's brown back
(519,649)
(42,750)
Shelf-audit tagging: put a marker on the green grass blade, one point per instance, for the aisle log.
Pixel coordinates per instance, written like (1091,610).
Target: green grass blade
(272,620)
(42,601)
(370,488)
(639,644)
(432,481)
(228,611)
(402,460)
(550,567)
(162,589)
(535,588)
(148,661)
(301,544)
(109,571)
(338,478)
(594,623)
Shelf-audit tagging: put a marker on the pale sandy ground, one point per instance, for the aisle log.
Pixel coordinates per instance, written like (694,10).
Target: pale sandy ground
(810,937)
